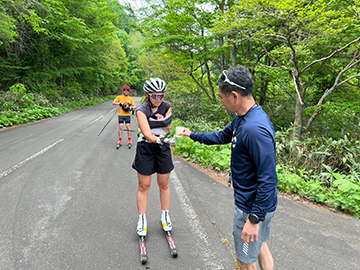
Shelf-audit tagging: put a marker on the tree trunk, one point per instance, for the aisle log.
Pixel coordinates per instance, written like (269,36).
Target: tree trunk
(222,58)
(298,122)
(234,54)
(263,88)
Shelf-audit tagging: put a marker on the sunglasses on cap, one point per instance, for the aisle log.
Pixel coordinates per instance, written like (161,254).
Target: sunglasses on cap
(157,96)
(224,78)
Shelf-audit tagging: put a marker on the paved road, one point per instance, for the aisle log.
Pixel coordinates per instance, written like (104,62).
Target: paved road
(67,201)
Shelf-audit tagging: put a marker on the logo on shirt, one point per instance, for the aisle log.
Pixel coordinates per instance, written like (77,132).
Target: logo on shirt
(234,139)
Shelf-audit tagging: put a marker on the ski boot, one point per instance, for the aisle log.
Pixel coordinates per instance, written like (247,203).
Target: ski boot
(119,143)
(129,143)
(165,221)
(142,225)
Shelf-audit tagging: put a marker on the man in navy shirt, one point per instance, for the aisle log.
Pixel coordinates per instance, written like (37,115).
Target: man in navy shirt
(253,167)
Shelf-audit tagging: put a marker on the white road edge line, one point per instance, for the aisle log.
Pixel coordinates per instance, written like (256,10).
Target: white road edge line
(17,166)
(195,225)
(97,119)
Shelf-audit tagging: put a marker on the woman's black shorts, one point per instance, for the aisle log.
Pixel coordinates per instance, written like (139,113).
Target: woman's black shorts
(152,158)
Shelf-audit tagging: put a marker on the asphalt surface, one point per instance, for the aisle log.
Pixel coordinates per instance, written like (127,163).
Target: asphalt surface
(67,201)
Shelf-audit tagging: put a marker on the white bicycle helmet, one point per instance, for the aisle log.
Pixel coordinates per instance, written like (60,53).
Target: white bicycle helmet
(154,85)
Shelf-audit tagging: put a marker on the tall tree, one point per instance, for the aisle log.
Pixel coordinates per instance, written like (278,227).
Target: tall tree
(182,29)
(63,47)
(298,37)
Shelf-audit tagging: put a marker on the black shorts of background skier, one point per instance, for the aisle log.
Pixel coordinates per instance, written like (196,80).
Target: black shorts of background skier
(253,167)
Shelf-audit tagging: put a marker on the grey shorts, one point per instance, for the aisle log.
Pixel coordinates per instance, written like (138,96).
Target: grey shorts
(248,253)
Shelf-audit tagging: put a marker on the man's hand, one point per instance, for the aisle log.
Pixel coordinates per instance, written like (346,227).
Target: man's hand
(186,132)
(250,232)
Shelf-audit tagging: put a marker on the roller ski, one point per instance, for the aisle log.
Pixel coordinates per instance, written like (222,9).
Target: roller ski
(167,227)
(119,144)
(142,231)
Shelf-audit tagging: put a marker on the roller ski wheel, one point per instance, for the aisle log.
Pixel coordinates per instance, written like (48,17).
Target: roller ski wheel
(174,253)
(143,254)
(143,259)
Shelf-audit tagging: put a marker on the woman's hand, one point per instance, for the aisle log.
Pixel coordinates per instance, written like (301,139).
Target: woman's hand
(159,116)
(168,128)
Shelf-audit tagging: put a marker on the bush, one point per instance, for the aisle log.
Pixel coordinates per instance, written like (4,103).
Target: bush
(320,155)
(342,195)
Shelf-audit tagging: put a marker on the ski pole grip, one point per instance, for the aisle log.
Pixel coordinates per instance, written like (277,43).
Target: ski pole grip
(229,179)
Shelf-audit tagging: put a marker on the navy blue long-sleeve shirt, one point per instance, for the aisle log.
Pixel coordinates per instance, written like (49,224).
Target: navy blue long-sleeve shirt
(253,160)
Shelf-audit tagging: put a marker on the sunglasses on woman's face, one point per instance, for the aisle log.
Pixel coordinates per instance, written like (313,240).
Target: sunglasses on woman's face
(157,96)
(224,78)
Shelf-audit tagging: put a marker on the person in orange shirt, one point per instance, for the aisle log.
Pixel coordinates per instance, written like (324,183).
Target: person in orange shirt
(126,105)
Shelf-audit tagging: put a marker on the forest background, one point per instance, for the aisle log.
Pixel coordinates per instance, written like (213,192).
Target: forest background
(61,55)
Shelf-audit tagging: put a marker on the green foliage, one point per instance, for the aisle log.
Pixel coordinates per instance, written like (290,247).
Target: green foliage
(329,123)
(216,157)
(15,112)
(23,98)
(12,118)
(190,107)
(72,47)
(182,30)
(342,194)
(320,154)
(305,43)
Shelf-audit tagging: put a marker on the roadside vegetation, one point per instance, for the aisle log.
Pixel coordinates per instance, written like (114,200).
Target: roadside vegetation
(59,56)
(19,107)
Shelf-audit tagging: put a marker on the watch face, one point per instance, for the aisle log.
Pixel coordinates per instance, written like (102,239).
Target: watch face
(254,219)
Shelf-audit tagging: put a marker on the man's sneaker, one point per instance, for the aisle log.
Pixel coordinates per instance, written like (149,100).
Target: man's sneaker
(142,225)
(165,220)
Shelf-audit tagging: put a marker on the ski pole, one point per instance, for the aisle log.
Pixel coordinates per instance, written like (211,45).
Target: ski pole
(107,122)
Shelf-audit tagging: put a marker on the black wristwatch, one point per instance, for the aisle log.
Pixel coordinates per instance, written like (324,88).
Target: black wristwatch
(254,219)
